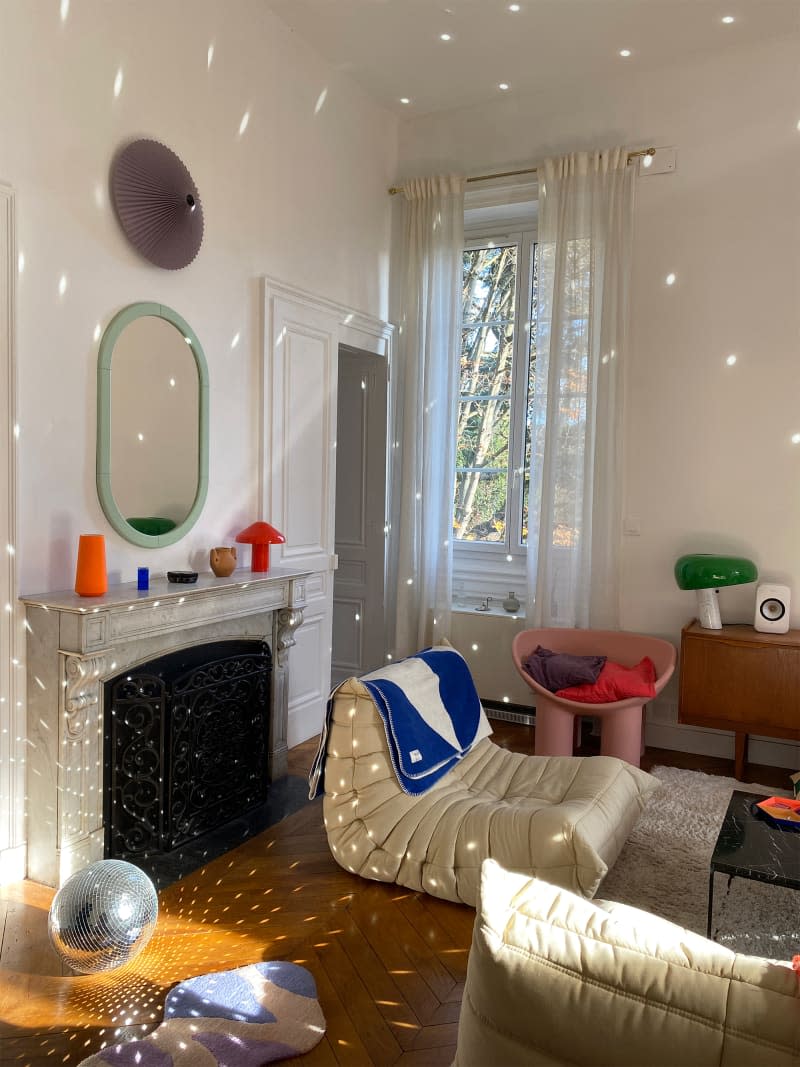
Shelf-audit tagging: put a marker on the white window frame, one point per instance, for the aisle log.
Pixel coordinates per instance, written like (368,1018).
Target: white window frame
(488,568)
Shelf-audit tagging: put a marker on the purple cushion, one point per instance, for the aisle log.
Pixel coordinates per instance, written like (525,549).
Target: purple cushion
(559,670)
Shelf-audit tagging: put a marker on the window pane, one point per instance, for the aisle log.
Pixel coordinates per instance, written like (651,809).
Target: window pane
(479,506)
(482,517)
(486,354)
(489,283)
(484,412)
(571,389)
(531,384)
(483,426)
(568,481)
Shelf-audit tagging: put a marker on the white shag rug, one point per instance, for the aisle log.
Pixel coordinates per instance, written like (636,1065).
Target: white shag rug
(664,869)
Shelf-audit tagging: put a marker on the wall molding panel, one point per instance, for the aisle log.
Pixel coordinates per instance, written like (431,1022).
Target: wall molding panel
(12,659)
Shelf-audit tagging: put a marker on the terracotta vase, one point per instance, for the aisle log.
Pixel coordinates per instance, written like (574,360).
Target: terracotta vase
(90,574)
(223,561)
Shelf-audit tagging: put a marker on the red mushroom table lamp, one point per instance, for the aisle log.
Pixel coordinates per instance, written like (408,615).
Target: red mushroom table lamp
(260,535)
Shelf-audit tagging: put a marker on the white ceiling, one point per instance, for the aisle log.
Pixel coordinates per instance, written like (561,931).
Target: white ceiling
(392,47)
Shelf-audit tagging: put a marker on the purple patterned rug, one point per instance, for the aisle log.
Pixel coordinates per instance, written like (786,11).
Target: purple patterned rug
(242,1018)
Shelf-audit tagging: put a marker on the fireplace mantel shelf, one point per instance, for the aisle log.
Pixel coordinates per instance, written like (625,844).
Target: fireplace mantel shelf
(77,643)
(127,594)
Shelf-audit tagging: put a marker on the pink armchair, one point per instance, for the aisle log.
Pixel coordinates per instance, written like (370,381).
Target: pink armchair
(621,721)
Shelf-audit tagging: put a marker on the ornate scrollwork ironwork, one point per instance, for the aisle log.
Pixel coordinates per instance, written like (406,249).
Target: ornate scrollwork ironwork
(187,749)
(220,726)
(135,758)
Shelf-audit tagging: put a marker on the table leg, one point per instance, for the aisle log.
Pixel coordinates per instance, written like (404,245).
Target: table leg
(741,755)
(577,733)
(710,902)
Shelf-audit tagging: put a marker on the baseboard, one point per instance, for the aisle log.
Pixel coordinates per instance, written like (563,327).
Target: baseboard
(772,751)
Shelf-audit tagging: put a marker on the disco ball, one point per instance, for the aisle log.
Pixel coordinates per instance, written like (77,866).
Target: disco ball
(103,916)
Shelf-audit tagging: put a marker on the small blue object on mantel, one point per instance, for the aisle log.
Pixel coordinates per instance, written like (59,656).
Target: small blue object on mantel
(143,578)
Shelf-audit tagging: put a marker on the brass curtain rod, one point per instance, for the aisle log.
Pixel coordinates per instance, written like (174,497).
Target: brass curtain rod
(395,189)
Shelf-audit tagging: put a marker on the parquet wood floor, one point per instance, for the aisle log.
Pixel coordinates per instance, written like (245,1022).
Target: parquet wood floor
(389,964)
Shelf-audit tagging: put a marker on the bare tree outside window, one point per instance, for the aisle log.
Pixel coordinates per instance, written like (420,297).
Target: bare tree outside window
(493,444)
(484,416)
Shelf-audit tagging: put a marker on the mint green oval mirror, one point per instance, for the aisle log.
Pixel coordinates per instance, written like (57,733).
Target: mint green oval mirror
(152,425)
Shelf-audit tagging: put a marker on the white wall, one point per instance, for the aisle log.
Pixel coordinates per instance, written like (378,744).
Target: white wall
(710,464)
(300,194)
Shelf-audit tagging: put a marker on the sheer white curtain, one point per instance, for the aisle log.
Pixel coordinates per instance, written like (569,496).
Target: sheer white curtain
(574,527)
(423,459)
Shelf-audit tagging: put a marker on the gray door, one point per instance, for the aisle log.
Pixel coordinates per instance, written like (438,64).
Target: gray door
(358,587)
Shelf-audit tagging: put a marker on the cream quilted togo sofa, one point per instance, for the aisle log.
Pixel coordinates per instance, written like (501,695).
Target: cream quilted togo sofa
(555,979)
(559,817)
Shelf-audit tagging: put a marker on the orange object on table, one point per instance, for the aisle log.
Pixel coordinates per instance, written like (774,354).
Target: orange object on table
(781,808)
(91,578)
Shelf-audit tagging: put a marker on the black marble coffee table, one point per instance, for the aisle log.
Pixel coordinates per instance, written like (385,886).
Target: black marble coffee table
(750,846)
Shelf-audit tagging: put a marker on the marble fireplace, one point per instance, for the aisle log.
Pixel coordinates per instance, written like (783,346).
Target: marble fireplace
(76,644)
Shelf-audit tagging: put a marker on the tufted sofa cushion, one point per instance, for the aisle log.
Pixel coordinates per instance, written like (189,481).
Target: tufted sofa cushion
(556,979)
(562,818)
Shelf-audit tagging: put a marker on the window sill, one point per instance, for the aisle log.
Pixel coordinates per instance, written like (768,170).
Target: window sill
(495,610)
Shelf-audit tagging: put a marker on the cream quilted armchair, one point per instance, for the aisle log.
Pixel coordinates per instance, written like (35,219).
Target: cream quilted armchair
(561,818)
(554,979)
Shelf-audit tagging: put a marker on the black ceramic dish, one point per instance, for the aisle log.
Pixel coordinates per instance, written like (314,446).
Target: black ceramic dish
(182,577)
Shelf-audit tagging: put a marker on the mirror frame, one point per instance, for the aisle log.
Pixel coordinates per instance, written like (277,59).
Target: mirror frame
(106,351)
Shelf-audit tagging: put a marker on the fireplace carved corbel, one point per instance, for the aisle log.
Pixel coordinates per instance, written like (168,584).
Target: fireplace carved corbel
(81,690)
(288,620)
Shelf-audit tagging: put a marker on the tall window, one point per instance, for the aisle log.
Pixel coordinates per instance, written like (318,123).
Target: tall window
(497,378)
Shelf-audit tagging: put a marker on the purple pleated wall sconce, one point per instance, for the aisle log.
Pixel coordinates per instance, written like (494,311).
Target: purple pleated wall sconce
(157,204)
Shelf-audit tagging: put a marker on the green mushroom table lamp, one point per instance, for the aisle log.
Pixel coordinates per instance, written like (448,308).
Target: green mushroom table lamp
(708,574)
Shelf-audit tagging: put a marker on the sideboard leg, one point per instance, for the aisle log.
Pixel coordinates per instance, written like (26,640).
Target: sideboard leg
(741,755)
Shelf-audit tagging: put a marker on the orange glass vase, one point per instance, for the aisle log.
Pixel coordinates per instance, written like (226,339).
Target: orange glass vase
(91,578)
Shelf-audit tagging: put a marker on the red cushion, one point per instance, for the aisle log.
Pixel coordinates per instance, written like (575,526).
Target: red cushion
(615,683)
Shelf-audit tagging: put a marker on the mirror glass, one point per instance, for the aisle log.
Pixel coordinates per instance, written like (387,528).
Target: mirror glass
(152,447)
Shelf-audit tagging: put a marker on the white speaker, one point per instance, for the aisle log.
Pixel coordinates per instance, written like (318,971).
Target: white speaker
(772,608)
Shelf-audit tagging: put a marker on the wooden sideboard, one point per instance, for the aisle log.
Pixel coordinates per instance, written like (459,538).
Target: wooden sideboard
(739,679)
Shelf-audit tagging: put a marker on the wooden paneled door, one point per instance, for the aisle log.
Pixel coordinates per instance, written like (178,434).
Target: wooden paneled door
(358,588)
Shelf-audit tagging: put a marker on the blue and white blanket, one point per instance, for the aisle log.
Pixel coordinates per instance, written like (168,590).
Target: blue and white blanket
(431,713)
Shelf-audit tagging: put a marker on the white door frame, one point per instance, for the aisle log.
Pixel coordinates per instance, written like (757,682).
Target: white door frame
(327,324)
(12,690)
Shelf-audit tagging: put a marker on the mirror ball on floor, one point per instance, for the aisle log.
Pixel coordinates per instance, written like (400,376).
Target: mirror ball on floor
(103,916)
